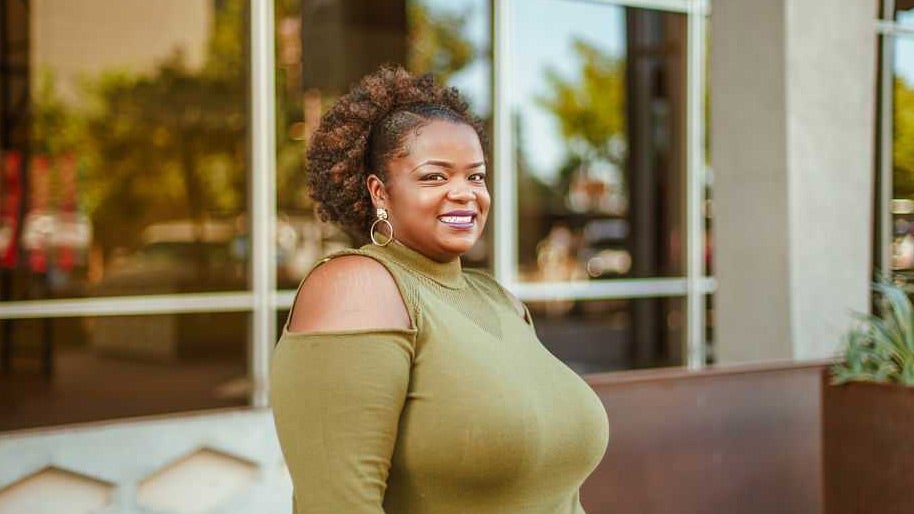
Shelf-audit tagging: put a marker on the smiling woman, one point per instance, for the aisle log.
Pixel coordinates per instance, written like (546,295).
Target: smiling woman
(436,192)
(402,382)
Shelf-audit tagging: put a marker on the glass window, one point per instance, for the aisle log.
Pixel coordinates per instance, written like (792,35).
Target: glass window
(69,370)
(904,12)
(599,121)
(124,154)
(902,205)
(608,335)
(322,48)
(123,171)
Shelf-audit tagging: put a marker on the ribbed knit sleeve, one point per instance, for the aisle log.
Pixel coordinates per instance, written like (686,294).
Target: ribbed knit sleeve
(337,399)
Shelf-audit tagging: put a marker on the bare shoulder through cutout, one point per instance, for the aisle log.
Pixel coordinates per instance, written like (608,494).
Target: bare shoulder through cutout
(350,292)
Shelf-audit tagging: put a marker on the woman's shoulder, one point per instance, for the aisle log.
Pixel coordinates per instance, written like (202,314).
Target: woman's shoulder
(349,290)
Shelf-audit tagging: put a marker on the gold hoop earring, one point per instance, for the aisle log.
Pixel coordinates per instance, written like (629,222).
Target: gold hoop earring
(381,218)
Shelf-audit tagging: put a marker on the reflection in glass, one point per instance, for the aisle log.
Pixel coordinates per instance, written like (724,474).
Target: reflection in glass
(322,48)
(904,12)
(599,117)
(123,166)
(607,335)
(68,370)
(902,205)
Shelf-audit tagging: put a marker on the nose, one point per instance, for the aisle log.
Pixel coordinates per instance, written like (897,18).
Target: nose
(461,192)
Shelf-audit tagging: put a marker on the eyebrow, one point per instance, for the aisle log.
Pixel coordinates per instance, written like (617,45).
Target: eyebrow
(447,164)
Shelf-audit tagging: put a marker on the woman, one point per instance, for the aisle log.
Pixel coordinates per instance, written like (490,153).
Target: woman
(403,383)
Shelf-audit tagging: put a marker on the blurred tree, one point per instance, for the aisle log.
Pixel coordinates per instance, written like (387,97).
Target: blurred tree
(590,108)
(590,111)
(903,140)
(170,144)
(55,129)
(291,134)
(437,41)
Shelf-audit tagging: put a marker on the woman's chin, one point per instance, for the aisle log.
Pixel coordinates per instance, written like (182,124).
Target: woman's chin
(458,246)
(462,243)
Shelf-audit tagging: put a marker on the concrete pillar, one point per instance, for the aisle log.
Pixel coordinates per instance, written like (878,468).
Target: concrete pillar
(792,148)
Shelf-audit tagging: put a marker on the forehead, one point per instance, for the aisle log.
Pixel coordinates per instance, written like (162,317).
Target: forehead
(444,139)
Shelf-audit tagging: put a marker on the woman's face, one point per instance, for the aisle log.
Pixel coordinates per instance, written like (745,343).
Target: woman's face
(435,193)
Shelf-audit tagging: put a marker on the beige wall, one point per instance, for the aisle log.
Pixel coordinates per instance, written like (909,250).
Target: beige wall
(749,159)
(224,462)
(792,137)
(77,38)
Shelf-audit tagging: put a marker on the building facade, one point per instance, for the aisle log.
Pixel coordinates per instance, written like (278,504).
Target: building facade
(676,183)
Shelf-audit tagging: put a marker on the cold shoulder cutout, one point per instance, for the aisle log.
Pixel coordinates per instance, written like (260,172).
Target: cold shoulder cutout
(348,292)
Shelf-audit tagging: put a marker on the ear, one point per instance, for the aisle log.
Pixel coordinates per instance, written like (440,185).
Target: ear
(377,191)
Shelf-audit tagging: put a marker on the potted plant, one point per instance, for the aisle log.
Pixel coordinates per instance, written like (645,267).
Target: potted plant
(868,412)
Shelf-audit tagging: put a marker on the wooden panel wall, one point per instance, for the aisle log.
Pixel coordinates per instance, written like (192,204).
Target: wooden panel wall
(738,440)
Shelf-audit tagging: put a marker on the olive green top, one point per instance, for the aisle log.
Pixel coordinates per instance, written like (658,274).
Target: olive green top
(466,412)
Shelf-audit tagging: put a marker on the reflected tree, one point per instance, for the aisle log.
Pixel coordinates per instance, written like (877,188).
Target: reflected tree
(170,144)
(589,109)
(437,42)
(55,129)
(903,140)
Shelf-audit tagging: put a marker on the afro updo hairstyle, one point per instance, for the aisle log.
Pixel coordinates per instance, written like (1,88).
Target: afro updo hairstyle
(367,127)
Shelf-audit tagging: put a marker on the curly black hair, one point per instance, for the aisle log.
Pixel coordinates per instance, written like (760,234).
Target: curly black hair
(364,129)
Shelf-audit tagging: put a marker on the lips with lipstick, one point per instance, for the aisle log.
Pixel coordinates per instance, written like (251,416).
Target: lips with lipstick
(458,219)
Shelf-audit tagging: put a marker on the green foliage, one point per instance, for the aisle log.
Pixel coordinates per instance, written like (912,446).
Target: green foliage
(590,109)
(54,130)
(225,53)
(881,349)
(903,140)
(436,41)
(168,145)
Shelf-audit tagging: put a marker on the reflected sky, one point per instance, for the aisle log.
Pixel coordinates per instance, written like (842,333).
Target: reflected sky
(542,35)
(904,58)
(542,32)
(904,49)
(472,81)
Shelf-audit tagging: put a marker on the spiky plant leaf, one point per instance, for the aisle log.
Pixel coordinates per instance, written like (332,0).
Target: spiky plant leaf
(881,348)
(901,311)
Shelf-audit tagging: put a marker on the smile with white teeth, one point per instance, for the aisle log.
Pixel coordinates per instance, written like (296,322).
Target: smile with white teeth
(457,219)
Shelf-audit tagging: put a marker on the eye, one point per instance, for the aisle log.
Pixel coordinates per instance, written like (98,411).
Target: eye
(478,177)
(433,177)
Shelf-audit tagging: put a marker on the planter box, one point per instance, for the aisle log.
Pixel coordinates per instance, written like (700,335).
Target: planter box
(868,448)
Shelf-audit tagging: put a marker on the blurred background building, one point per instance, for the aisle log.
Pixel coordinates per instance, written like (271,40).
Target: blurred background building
(677,183)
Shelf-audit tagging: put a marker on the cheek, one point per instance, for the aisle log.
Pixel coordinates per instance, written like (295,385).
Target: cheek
(484,201)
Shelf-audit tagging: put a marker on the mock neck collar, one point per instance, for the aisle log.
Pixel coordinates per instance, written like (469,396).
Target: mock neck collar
(448,274)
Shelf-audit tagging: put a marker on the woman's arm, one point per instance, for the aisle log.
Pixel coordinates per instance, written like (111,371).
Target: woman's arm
(339,380)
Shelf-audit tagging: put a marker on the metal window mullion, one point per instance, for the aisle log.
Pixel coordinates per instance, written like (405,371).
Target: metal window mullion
(601,289)
(237,301)
(886,129)
(894,29)
(695,186)
(505,208)
(263,194)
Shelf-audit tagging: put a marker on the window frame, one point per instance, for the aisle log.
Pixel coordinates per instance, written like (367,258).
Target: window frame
(695,285)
